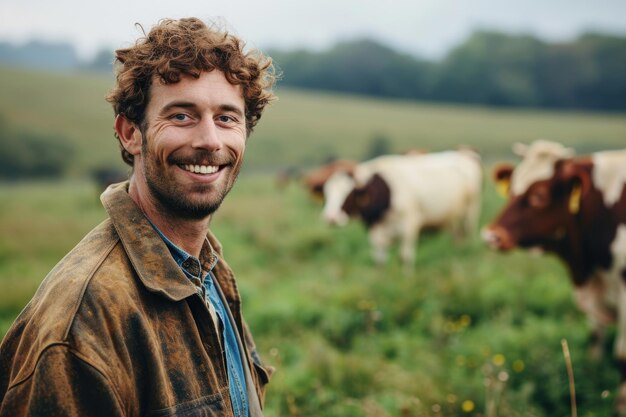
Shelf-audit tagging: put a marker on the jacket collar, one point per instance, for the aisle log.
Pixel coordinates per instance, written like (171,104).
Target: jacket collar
(149,255)
(147,252)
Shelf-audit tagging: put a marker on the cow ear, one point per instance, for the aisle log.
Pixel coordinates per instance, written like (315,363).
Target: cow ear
(502,178)
(520,149)
(574,174)
(569,153)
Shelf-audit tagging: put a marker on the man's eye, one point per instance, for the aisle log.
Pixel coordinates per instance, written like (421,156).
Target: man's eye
(225,119)
(180,117)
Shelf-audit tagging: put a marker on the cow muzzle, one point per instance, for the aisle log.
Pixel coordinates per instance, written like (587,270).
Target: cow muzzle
(497,238)
(336,219)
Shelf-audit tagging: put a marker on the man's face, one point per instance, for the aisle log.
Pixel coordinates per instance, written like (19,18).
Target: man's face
(193,146)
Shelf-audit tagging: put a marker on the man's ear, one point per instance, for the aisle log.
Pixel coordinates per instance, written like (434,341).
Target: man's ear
(129,134)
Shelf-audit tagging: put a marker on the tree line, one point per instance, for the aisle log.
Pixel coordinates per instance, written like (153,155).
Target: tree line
(27,154)
(489,68)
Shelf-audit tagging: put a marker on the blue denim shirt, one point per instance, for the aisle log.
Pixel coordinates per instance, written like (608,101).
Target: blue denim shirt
(236,377)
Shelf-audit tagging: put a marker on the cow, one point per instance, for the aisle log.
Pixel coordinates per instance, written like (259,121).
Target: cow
(397,196)
(575,208)
(315,179)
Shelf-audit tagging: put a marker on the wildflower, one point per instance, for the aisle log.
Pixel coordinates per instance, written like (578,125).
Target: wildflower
(518,365)
(468,406)
(498,359)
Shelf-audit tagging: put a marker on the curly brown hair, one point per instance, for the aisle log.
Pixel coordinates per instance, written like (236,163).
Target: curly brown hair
(174,48)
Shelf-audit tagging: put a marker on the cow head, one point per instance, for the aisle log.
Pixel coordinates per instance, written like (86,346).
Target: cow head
(370,201)
(315,180)
(545,193)
(345,198)
(336,190)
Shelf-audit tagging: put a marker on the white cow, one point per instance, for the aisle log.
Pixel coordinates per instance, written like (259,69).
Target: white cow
(397,196)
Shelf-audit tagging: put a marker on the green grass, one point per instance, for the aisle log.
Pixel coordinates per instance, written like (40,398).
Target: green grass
(467,332)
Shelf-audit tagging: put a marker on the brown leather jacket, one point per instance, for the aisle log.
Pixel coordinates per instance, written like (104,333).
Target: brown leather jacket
(116,329)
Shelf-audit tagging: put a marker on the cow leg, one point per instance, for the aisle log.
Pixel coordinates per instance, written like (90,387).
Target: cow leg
(380,240)
(620,340)
(409,237)
(470,222)
(620,350)
(596,340)
(590,299)
(456,230)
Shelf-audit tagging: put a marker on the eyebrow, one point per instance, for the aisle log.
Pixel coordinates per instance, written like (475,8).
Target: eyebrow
(232,109)
(190,105)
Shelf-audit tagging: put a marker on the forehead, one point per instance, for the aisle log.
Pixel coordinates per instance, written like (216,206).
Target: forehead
(209,89)
(527,174)
(538,165)
(339,184)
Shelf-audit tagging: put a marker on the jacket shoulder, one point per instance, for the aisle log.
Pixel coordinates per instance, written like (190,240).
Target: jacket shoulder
(47,319)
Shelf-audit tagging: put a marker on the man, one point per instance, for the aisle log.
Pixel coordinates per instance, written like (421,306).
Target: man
(143,317)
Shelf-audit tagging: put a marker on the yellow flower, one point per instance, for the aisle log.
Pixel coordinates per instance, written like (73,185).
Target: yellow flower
(465,320)
(498,359)
(518,365)
(468,406)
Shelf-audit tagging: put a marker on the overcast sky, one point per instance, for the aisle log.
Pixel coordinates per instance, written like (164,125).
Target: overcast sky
(427,28)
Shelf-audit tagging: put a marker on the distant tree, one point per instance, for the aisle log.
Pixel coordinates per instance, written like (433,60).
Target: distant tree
(59,56)
(361,66)
(605,84)
(28,155)
(490,68)
(102,62)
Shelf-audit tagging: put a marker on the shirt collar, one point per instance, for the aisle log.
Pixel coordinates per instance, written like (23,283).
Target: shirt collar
(188,262)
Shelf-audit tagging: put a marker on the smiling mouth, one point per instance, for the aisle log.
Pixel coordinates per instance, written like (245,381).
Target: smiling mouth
(200,169)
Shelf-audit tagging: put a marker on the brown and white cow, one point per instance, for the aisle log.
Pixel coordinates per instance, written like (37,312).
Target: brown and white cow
(574,208)
(396,196)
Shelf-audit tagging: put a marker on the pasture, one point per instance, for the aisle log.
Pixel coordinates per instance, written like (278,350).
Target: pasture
(469,332)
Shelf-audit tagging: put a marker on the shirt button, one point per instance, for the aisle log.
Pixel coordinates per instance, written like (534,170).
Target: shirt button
(186,263)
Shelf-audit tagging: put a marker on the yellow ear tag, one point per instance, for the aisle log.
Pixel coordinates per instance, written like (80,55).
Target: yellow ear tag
(503,186)
(574,199)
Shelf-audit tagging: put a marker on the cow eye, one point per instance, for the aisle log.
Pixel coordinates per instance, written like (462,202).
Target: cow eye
(538,198)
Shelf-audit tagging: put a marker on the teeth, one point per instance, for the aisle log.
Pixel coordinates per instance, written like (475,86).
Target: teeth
(201,169)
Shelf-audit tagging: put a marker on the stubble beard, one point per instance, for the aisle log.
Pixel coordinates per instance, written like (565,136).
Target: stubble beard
(176,202)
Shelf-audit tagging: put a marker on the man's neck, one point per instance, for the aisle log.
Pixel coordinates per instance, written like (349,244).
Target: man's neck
(187,234)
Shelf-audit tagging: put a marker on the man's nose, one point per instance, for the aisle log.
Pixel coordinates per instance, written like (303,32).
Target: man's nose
(207,136)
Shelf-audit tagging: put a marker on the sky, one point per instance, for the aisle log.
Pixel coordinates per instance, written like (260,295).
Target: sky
(425,28)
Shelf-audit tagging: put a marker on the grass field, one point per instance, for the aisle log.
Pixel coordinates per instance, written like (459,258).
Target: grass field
(469,333)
